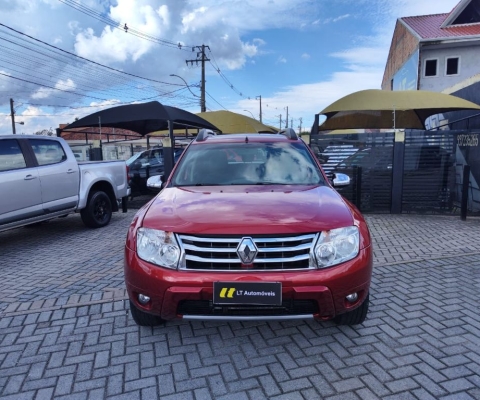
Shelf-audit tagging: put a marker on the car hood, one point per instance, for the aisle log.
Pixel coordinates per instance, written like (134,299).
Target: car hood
(248,210)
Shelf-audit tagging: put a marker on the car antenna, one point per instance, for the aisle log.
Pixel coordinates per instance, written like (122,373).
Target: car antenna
(246,139)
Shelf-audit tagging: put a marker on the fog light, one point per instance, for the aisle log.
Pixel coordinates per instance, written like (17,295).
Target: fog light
(143,299)
(352,297)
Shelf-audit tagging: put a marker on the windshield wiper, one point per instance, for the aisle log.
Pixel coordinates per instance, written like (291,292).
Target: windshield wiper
(270,183)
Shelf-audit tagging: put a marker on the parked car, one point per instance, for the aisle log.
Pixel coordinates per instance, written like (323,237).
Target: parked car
(248,227)
(40,179)
(145,164)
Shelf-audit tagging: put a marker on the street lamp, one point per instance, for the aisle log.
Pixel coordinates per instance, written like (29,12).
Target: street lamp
(20,123)
(186,84)
(250,113)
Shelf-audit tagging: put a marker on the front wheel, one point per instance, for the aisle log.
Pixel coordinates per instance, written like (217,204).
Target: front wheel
(356,316)
(98,211)
(144,319)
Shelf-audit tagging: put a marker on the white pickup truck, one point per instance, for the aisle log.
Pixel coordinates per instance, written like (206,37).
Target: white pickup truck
(40,179)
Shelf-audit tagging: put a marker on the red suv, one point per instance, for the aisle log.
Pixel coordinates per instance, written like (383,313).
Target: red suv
(248,227)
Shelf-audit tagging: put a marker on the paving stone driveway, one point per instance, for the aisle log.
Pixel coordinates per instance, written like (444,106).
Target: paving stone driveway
(65,330)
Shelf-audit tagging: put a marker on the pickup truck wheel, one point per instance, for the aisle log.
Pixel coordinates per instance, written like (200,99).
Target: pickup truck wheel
(98,211)
(144,319)
(356,316)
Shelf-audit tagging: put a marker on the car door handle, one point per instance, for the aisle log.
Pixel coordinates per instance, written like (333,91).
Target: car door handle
(70,171)
(29,177)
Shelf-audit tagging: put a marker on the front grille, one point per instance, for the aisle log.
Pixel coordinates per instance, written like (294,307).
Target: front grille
(220,253)
(206,308)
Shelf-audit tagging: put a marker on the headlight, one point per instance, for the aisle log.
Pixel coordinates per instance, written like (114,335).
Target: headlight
(158,247)
(337,246)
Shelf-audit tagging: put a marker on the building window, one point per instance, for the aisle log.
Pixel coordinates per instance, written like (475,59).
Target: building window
(452,65)
(430,67)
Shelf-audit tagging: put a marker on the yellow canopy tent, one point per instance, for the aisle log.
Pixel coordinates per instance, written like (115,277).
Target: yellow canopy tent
(383,109)
(230,122)
(227,122)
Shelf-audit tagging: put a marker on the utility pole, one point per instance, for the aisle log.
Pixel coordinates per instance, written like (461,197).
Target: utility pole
(280,121)
(201,57)
(286,120)
(12,114)
(300,131)
(260,98)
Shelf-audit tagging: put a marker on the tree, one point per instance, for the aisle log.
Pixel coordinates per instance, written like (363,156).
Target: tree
(45,132)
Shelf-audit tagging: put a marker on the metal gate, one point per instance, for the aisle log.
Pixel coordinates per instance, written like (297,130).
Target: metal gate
(429,172)
(367,158)
(425,172)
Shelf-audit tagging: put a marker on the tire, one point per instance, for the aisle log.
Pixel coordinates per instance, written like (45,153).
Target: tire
(98,211)
(356,316)
(144,319)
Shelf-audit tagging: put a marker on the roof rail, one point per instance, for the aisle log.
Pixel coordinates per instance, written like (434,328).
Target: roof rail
(289,133)
(203,134)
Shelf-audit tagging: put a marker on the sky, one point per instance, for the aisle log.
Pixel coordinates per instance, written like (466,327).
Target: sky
(65,59)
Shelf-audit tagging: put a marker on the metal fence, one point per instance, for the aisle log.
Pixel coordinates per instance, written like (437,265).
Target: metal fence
(422,172)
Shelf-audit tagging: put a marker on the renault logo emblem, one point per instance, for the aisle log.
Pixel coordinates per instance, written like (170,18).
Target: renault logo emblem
(247,250)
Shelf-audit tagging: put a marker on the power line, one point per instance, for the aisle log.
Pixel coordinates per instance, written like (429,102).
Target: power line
(128,29)
(115,24)
(222,75)
(42,57)
(208,94)
(34,62)
(39,63)
(86,59)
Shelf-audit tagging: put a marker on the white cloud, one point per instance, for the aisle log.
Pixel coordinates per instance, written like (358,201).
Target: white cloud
(115,45)
(309,99)
(362,65)
(64,85)
(336,19)
(341,17)
(164,15)
(363,55)
(225,26)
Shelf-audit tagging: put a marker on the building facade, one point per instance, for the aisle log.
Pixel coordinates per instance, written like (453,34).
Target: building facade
(441,53)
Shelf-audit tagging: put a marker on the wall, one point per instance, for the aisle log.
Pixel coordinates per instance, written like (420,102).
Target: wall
(469,66)
(403,45)
(407,77)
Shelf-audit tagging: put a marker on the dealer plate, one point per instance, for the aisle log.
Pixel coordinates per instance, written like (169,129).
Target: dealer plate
(254,293)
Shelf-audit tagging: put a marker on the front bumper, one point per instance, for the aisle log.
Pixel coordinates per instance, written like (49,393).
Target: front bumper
(317,294)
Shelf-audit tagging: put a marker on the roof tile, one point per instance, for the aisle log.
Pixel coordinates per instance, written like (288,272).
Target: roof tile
(429,27)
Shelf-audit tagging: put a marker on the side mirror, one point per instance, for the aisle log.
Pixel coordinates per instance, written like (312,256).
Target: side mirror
(156,183)
(340,180)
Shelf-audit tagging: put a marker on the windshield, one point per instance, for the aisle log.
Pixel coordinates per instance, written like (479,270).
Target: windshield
(133,158)
(247,164)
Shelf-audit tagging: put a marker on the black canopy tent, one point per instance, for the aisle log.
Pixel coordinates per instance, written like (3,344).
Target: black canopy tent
(145,118)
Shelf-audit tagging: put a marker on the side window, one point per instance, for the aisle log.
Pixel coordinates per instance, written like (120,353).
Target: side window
(11,156)
(143,159)
(156,157)
(452,66)
(48,152)
(430,67)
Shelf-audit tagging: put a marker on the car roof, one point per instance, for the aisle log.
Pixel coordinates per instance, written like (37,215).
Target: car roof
(242,137)
(29,137)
